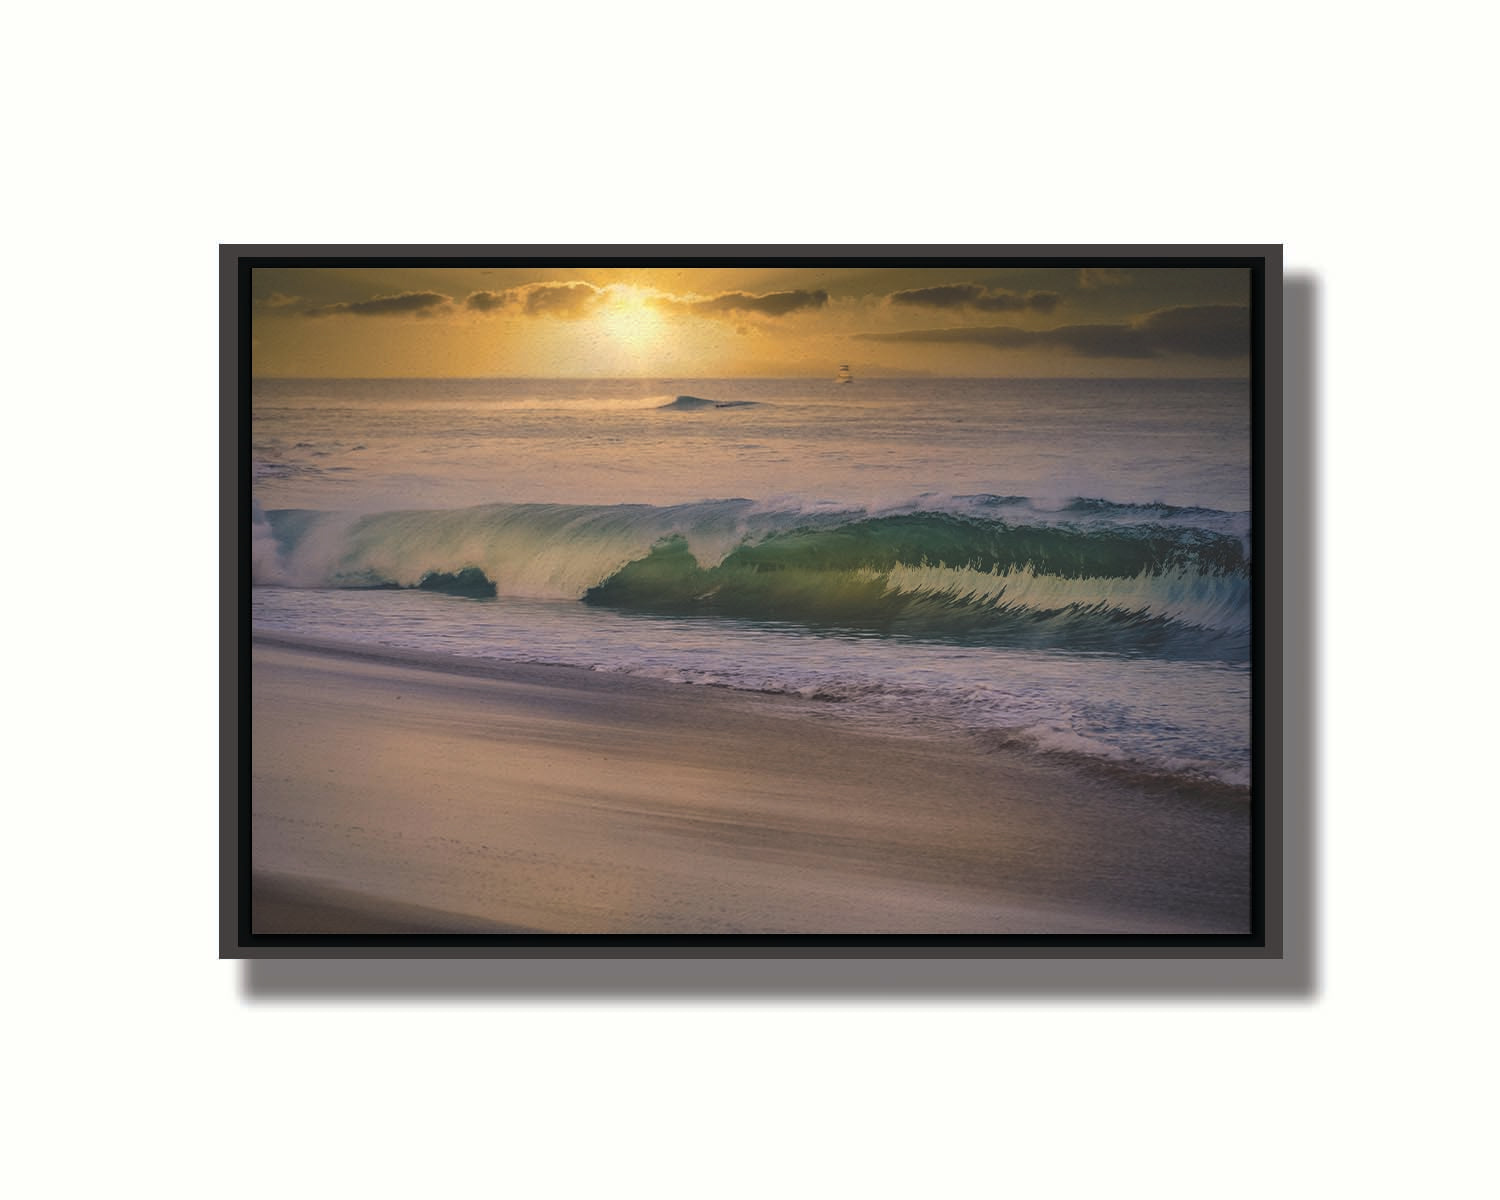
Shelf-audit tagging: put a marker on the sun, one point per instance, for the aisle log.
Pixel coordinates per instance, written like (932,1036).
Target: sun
(630,319)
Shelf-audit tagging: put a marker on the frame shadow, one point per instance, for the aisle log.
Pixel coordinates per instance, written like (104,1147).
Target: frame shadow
(1048,974)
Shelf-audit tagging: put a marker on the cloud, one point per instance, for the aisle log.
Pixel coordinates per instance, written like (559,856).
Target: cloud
(281,300)
(1202,331)
(1098,277)
(489,301)
(402,304)
(1206,330)
(975,296)
(571,301)
(771,304)
(566,300)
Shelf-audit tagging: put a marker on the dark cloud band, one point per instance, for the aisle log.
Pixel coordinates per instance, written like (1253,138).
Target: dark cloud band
(977,297)
(404,304)
(1203,331)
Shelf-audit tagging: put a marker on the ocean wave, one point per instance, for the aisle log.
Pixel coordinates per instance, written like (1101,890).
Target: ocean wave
(698,403)
(1084,574)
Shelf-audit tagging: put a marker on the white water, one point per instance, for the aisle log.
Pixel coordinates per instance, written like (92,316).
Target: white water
(1188,717)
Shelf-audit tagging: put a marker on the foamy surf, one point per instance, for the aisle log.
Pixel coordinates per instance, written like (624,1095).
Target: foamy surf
(1186,717)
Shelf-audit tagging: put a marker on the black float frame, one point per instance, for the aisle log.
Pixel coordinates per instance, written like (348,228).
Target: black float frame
(1265,939)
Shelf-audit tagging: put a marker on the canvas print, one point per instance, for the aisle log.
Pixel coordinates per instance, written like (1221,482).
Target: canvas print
(726,599)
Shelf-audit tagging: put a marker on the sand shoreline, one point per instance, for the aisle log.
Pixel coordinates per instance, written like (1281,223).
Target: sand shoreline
(295,904)
(431,792)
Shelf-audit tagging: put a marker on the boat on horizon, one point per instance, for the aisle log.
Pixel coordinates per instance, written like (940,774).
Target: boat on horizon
(844,375)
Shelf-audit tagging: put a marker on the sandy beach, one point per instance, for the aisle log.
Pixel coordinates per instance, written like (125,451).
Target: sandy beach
(397,791)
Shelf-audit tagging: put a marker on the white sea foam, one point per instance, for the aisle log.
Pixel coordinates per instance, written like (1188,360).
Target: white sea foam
(1183,717)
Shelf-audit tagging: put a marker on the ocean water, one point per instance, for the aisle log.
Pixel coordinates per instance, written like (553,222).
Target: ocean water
(1062,565)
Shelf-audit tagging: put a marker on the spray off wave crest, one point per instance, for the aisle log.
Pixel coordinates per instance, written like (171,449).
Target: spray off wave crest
(1083,575)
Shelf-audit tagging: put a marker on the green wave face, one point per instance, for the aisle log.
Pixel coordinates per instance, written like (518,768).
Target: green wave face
(1178,592)
(883,542)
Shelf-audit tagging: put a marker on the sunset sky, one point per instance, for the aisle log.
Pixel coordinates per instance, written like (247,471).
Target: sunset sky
(716,322)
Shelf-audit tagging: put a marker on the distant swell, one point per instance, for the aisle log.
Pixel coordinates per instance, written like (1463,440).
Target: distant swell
(1090,575)
(698,403)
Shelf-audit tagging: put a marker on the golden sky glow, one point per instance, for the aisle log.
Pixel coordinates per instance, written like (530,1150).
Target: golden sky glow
(713,322)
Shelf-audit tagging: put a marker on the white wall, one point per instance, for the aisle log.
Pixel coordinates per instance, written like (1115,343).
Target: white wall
(146,134)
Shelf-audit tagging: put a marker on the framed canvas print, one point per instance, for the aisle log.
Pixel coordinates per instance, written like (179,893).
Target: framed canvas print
(748,600)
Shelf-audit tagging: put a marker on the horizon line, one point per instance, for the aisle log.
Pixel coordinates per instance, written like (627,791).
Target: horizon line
(911,377)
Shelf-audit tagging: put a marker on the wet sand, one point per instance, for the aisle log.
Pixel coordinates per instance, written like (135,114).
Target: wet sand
(403,792)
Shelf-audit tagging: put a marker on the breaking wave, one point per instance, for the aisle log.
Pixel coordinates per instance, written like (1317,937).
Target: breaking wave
(1086,575)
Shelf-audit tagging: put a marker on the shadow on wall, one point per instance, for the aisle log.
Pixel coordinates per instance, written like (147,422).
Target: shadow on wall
(1291,513)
